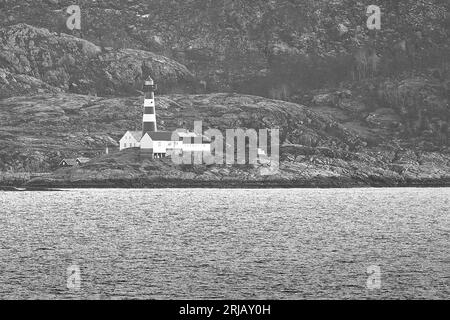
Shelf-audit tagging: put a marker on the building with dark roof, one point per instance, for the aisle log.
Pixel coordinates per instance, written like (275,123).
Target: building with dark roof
(73,162)
(68,163)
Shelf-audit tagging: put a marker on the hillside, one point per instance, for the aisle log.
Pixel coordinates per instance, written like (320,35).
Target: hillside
(38,131)
(261,47)
(377,102)
(37,60)
(288,50)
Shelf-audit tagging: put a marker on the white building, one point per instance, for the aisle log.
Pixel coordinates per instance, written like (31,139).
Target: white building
(193,142)
(131,139)
(159,143)
(162,143)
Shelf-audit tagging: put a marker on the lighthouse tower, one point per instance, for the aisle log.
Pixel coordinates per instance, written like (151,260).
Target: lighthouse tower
(149,117)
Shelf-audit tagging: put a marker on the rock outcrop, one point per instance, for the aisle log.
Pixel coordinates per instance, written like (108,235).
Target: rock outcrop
(300,167)
(79,66)
(413,109)
(38,131)
(13,84)
(367,107)
(270,48)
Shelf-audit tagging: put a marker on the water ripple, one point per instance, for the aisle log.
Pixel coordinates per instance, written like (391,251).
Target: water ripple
(215,244)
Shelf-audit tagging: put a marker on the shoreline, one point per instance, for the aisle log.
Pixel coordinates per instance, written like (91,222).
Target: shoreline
(318,183)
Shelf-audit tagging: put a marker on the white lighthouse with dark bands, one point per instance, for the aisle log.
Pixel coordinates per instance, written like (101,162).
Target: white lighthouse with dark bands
(149,117)
(158,144)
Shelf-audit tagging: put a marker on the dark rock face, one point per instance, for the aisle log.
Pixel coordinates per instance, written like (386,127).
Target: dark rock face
(422,104)
(269,48)
(411,109)
(13,84)
(76,65)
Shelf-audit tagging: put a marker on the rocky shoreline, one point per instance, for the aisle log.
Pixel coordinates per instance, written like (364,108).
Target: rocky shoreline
(125,169)
(228,184)
(25,188)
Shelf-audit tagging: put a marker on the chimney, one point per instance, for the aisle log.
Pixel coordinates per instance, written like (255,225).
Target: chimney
(149,117)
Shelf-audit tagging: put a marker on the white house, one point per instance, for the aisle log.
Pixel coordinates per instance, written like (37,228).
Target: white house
(131,139)
(163,143)
(160,143)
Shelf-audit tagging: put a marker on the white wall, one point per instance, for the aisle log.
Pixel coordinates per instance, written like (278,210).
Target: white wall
(146,142)
(196,147)
(128,141)
(163,146)
(168,146)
